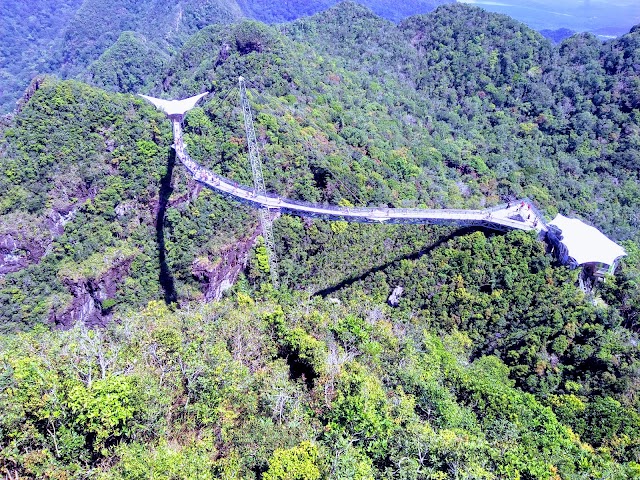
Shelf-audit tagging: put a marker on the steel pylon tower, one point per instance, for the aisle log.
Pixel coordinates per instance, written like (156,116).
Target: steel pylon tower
(258,182)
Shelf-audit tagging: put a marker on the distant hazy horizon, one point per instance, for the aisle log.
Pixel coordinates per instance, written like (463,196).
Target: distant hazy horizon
(602,17)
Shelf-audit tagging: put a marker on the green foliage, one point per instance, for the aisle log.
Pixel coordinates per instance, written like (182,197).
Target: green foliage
(493,365)
(88,161)
(297,463)
(351,331)
(104,409)
(130,65)
(352,463)
(360,410)
(91,32)
(30,40)
(108,303)
(296,342)
(262,256)
(138,462)
(203,394)
(97,264)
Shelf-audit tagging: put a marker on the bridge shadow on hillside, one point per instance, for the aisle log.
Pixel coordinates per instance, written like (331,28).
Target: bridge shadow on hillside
(166,277)
(413,256)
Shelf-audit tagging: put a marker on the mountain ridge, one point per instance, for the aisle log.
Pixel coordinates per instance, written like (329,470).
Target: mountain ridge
(72,35)
(492,360)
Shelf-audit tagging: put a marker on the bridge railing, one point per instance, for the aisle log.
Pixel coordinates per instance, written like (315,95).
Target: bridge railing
(535,210)
(203,174)
(383,210)
(496,208)
(406,211)
(389,211)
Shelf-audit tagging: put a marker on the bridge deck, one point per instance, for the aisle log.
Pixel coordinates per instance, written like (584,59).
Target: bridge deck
(502,217)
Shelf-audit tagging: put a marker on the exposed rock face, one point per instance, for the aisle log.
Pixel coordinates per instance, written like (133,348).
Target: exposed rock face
(89,295)
(16,253)
(394,298)
(25,239)
(33,87)
(221,275)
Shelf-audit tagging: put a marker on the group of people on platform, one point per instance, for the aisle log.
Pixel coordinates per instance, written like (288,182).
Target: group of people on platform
(527,208)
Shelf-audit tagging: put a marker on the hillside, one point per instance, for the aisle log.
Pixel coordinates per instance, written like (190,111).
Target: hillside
(295,388)
(277,12)
(531,112)
(29,42)
(67,38)
(165,24)
(492,365)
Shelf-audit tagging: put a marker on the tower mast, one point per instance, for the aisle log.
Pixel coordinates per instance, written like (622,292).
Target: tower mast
(258,183)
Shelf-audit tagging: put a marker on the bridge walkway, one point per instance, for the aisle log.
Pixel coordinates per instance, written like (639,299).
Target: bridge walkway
(519,215)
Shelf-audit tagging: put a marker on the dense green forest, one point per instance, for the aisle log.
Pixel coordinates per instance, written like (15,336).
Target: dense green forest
(492,365)
(66,37)
(29,42)
(289,387)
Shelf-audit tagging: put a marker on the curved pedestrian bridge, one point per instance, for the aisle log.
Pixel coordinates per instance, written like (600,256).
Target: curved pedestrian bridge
(519,215)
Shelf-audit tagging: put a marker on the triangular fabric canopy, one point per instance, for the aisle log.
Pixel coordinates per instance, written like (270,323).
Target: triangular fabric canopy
(175,107)
(586,244)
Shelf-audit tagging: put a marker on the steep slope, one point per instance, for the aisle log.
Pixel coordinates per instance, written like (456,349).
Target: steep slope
(130,65)
(295,388)
(90,181)
(30,42)
(167,24)
(65,38)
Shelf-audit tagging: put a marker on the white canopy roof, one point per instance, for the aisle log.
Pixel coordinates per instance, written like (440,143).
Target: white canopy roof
(175,107)
(587,244)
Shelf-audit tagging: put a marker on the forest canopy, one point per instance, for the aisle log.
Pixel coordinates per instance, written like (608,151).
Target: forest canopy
(141,336)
